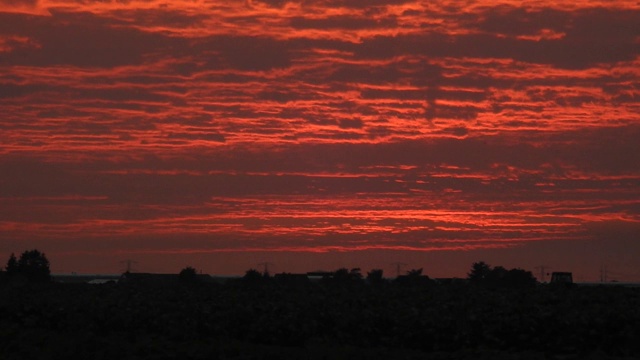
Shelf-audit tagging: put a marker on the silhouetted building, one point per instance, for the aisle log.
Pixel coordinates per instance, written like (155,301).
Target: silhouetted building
(561,278)
(319,275)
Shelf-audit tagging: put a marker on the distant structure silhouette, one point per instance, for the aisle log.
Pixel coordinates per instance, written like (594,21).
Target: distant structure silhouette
(558,277)
(399,266)
(129,265)
(604,273)
(265,267)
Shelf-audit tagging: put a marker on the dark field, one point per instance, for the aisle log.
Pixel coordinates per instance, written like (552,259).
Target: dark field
(316,321)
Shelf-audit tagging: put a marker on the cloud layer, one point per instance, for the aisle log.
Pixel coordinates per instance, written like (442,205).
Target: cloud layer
(317,126)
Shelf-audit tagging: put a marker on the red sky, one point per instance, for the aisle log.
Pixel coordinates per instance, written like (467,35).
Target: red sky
(320,134)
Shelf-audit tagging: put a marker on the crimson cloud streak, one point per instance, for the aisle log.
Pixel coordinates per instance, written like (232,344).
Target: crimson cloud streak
(321,133)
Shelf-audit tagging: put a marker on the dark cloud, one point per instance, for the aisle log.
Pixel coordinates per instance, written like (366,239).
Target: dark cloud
(606,150)
(79,40)
(342,22)
(168,18)
(246,53)
(418,72)
(511,20)
(595,35)
(363,5)
(456,131)
(439,111)
(424,94)
(197,136)
(351,123)
(90,41)
(272,3)
(574,51)
(9,90)
(278,96)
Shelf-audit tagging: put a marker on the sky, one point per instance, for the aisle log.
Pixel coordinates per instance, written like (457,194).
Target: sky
(318,134)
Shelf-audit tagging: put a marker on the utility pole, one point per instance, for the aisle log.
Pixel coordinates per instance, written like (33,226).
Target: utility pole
(603,273)
(265,266)
(543,271)
(398,266)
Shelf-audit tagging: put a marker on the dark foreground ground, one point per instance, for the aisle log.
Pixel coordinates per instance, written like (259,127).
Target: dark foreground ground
(316,321)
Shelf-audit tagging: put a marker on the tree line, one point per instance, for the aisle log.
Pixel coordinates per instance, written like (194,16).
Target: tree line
(480,274)
(33,266)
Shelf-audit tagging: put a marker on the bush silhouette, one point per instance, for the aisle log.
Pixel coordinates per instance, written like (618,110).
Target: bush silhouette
(252,276)
(188,275)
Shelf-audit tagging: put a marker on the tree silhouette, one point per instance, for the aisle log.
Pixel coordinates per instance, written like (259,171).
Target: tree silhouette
(520,278)
(252,276)
(479,272)
(12,265)
(341,275)
(414,273)
(496,276)
(188,275)
(482,273)
(413,277)
(32,266)
(355,274)
(375,276)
